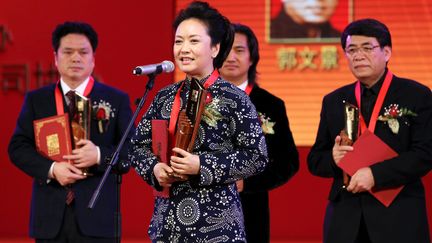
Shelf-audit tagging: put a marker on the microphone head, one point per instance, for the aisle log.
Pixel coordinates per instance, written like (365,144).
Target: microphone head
(136,71)
(168,66)
(165,66)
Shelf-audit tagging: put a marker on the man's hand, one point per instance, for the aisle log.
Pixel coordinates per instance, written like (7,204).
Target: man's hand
(361,181)
(339,151)
(85,155)
(66,174)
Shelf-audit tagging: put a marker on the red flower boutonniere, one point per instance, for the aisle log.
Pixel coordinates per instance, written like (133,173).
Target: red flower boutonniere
(391,115)
(102,113)
(266,124)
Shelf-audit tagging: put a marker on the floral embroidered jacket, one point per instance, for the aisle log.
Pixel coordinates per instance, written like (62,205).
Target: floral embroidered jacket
(207,207)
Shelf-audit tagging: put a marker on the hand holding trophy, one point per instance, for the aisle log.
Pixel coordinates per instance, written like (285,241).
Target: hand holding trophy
(81,122)
(189,120)
(350,132)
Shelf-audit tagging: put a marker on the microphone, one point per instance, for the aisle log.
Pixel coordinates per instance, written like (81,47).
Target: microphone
(165,66)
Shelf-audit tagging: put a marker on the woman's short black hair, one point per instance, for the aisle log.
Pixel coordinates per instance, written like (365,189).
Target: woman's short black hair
(218,27)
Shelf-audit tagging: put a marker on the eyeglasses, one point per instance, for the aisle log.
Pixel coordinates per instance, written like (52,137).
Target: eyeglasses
(364,49)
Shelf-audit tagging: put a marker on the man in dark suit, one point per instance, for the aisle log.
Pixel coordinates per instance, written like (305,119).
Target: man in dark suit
(240,69)
(61,192)
(399,112)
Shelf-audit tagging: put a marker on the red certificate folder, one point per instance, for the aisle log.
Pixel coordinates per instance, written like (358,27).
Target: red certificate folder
(52,136)
(160,148)
(368,150)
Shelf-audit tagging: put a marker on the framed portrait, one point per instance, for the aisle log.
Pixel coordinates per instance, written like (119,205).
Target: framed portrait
(307,21)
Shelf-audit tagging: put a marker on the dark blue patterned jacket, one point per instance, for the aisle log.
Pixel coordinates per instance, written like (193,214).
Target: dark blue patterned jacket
(230,145)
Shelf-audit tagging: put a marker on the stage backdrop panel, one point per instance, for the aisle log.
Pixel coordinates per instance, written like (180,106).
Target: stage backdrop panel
(131,33)
(137,32)
(302,71)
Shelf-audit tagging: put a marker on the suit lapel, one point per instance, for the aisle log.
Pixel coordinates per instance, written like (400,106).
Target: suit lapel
(348,95)
(392,94)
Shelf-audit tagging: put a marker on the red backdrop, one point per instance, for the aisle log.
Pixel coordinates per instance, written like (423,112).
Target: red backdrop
(131,33)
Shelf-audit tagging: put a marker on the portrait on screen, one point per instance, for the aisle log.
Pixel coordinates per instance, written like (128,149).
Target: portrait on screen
(307,21)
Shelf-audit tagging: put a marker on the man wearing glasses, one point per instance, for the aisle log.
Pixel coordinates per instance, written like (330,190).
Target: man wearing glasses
(399,112)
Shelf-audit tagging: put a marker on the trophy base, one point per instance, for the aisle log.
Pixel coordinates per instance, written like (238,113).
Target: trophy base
(178,177)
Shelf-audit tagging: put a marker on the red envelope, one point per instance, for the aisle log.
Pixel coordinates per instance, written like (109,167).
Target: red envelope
(160,148)
(368,150)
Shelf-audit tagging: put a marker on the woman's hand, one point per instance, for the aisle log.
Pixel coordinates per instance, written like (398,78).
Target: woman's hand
(186,163)
(162,173)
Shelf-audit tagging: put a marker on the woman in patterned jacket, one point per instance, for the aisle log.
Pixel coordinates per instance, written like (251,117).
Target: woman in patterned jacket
(203,203)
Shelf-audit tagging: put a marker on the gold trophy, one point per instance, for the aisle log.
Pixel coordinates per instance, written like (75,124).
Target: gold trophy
(81,122)
(350,133)
(189,120)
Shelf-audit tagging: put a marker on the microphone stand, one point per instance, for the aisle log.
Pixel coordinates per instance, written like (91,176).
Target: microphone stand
(115,156)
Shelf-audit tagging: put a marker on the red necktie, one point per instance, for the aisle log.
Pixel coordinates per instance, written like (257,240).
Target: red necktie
(70,195)
(71,104)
